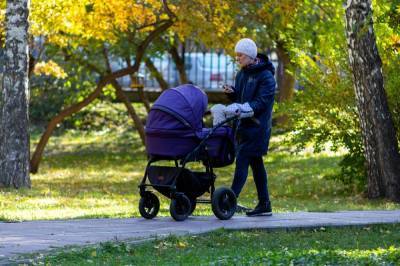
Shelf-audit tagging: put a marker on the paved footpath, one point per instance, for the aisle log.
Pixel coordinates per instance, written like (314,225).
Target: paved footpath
(34,236)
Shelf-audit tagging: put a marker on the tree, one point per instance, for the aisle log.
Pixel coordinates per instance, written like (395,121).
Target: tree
(378,132)
(123,39)
(14,102)
(124,35)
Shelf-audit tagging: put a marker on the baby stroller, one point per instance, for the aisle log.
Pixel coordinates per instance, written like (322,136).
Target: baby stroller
(175,133)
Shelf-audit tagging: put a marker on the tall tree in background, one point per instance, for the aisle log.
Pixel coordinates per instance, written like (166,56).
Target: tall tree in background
(14,102)
(126,36)
(378,132)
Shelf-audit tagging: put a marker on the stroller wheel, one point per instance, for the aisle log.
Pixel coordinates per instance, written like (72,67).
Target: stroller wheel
(180,207)
(223,203)
(149,205)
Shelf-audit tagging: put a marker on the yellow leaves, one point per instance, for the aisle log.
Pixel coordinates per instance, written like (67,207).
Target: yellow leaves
(163,245)
(2,21)
(181,244)
(278,13)
(49,68)
(394,41)
(108,16)
(2,18)
(79,22)
(208,21)
(56,19)
(67,21)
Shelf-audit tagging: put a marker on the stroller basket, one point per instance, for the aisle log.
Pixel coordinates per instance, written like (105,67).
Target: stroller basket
(193,184)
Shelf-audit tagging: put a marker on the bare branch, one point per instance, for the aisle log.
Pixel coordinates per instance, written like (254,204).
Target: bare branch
(152,24)
(168,10)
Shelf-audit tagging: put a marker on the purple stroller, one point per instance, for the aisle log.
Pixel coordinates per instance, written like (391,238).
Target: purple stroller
(175,133)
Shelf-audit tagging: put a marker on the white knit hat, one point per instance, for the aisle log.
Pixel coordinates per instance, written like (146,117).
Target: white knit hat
(246,46)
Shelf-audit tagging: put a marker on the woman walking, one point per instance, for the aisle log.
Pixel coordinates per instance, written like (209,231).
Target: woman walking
(253,95)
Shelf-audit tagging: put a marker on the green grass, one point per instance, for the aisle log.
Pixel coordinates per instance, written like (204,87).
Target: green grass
(372,245)
(88,175)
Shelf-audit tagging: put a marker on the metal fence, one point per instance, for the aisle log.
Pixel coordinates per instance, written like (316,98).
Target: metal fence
(208,70)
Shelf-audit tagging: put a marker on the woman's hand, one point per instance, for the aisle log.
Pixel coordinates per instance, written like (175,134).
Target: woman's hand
(227,89)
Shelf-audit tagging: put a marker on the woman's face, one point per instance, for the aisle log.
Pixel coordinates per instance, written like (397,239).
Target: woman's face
(243,60)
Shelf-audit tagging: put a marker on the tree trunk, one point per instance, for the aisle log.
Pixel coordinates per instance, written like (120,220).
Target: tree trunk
(179,63)
(131,110)
(378,132)
(135,83)
(285,80)
(144,99)
(156,74)
(14,105)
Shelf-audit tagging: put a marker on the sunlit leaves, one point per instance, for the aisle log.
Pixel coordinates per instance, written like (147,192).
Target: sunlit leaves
(49,68)
(65,22)
(210,22)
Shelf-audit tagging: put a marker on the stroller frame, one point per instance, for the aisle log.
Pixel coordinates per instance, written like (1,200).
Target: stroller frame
(223,200)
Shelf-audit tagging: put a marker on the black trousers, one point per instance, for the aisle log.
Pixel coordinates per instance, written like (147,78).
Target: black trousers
(259,174)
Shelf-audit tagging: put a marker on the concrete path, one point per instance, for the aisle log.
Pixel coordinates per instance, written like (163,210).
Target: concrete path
(27,237)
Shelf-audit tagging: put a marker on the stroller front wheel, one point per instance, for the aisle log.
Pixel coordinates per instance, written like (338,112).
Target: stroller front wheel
(149,205)
(180,207)
(223,203)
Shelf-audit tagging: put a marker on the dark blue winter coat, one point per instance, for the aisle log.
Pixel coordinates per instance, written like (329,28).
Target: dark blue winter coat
(255,84)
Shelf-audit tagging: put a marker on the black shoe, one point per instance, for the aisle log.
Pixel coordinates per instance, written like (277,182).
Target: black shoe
(241,208)
(262,208)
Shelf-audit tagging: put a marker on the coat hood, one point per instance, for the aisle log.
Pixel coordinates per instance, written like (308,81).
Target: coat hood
(263,64)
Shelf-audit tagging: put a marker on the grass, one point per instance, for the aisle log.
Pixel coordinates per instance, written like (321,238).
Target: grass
(96,174)
(372,245)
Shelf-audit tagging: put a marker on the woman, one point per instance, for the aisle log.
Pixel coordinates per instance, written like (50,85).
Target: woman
(253,96)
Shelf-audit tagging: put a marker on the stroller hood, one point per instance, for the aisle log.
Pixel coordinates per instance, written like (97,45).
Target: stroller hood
(186,104)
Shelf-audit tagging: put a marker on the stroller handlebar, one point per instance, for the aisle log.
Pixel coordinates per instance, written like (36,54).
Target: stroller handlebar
(233,118)
(220,124)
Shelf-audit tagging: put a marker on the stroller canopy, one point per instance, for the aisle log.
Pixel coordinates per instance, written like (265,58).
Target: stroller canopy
(186,104)
(175,125)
